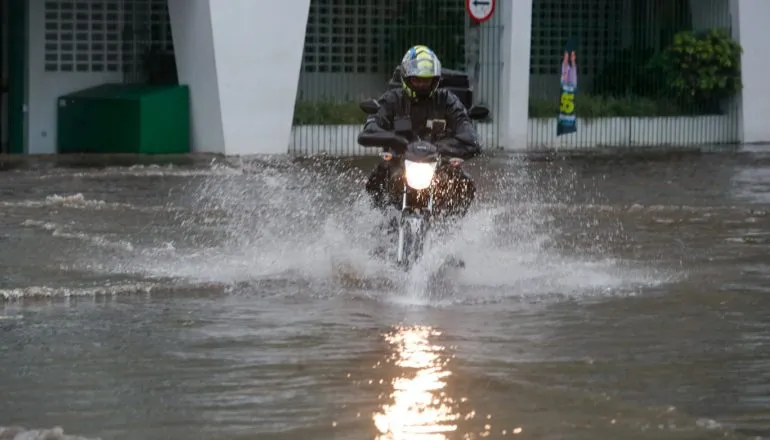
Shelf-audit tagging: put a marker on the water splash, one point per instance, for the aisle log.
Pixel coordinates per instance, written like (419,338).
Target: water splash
(311,223)
(55,433)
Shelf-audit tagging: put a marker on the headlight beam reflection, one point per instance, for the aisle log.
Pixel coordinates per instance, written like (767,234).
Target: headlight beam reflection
(419,407)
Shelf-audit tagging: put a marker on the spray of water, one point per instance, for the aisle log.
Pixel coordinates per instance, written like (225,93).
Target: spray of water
(311,225)
(56,433)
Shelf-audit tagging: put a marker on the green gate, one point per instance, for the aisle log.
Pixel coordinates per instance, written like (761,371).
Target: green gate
(352,48)
(650,73)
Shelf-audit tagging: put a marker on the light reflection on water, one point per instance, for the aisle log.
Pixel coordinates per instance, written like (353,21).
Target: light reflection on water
(419,408)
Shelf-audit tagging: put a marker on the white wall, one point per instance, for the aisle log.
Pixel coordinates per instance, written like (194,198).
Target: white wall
(516,17)
(241,59)
(196,67)
(45,87)
(753,32)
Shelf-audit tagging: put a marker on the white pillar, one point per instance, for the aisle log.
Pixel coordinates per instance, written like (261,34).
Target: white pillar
(514,94)
(241,60)
(753,33)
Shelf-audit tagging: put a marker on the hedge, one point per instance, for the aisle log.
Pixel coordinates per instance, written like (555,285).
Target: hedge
(348,112)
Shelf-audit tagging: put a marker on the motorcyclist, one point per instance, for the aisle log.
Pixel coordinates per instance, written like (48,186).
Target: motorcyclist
(405,112)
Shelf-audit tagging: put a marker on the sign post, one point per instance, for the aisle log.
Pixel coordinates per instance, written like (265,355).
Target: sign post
(480,10)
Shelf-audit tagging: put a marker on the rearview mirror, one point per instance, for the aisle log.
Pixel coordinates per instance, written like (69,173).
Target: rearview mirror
(478,112)
(370,106)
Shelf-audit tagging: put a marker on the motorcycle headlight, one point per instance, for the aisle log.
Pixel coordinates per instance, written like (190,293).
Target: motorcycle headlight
(419,175)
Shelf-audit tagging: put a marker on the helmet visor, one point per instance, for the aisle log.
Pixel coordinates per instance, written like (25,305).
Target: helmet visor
(422,67)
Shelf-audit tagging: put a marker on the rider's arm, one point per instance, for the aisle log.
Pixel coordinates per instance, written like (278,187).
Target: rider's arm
(464,142)
(378,128)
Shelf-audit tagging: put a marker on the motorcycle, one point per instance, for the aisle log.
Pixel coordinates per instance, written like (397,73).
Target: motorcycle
(414,194)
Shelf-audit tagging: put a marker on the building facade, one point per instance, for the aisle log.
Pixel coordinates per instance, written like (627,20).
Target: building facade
(266,78)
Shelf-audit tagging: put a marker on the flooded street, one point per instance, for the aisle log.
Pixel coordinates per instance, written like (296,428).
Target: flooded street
(601,300)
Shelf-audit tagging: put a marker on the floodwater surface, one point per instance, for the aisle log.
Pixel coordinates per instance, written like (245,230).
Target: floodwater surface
(241,301)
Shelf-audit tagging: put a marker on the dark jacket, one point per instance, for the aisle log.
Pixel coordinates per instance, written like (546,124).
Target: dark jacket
(462,140)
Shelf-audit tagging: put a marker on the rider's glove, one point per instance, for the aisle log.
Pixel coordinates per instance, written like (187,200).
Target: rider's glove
(448,147)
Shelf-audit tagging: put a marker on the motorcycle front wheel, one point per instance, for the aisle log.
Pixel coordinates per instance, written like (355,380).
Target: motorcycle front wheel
(411,238)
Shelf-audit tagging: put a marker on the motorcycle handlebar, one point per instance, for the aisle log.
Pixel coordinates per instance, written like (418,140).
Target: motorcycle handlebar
(454,161)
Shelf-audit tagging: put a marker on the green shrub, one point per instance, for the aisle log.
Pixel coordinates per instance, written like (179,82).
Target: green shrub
(328,113)
(703,69)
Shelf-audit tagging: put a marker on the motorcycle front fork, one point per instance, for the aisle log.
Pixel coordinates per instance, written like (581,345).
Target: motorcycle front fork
(402,224)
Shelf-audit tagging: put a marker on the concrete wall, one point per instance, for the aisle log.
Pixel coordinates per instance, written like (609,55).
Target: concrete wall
(196,67)
(516,17)
(241,59)
(753,32)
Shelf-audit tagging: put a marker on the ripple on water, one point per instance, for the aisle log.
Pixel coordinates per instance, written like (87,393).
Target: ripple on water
(20,433)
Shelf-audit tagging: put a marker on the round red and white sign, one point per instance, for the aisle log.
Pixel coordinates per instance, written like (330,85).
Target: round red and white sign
(480,10)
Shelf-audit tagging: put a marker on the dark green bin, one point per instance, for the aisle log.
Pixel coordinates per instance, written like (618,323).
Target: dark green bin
(125,118)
